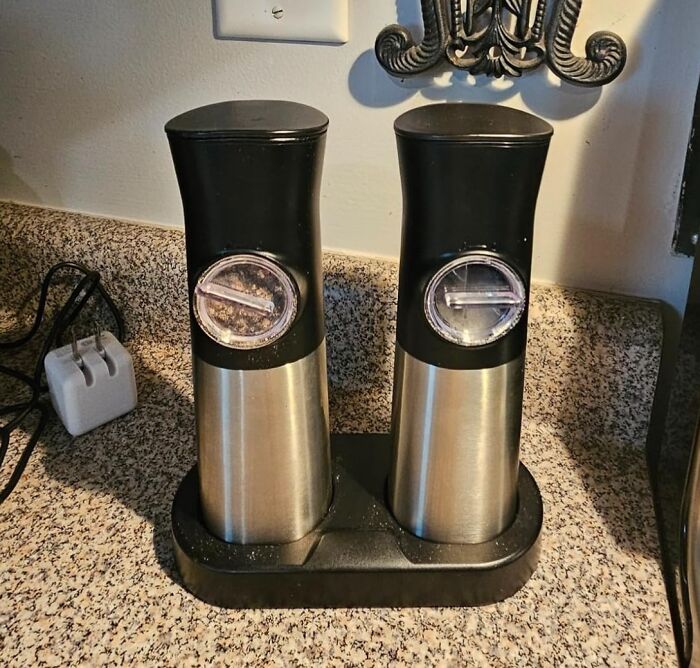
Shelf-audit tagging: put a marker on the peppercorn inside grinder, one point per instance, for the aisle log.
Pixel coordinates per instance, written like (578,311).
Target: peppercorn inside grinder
(249,175)
(471,175)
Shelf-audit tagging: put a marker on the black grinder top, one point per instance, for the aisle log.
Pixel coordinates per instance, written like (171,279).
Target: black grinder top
(473,124)
(265,120)
(249,174)
(471,175)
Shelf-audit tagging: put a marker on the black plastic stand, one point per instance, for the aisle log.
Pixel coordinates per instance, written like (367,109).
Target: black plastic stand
(358,556)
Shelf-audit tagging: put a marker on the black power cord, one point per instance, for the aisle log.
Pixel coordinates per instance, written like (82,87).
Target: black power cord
(86,287)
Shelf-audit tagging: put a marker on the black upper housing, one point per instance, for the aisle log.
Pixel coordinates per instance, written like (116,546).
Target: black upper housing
(471,175)
(249,175)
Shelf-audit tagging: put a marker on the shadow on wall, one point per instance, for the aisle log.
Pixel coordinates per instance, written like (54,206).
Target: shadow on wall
(622,159)
(17,189)
(607,222)
(373,87)
(103,90)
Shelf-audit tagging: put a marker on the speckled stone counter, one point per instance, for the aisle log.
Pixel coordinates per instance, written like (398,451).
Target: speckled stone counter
(86,569)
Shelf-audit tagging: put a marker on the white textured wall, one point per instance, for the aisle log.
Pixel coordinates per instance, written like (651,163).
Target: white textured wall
(85,88)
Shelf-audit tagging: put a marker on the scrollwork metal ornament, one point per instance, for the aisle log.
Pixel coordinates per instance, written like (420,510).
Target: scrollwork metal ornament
(502,38)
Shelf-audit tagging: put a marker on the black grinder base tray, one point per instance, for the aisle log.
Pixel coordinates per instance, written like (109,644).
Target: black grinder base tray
(358,556)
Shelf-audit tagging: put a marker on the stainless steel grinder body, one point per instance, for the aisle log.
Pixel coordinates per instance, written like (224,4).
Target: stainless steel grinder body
(470,177)
(249,175)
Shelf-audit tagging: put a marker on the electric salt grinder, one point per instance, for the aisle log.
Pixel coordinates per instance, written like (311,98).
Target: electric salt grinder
(471,175)
(249,175)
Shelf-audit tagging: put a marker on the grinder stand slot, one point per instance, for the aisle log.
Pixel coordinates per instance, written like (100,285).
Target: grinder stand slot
(358,556)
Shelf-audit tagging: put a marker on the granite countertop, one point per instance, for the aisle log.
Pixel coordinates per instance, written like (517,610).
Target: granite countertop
(86,567)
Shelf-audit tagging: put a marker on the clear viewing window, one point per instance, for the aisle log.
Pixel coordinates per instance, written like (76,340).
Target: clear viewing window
(474,300)
(245,301)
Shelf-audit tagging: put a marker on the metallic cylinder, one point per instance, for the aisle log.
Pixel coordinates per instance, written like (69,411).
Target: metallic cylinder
(470,177)
(250,174)
(456,449)
(264,458)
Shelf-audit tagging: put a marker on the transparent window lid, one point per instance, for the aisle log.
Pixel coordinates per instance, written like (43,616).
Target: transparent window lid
(474,300)
(245,301)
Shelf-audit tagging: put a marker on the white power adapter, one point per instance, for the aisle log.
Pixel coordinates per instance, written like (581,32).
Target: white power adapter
(91,382)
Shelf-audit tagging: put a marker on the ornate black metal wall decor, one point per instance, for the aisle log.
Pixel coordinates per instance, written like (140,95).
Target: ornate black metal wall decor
(502,38)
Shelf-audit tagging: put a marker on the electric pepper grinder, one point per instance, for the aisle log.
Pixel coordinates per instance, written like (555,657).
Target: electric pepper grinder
(249,174)
(471,175)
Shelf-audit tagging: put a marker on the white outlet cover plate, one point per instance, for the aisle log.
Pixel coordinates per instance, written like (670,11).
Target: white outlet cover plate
(301,20)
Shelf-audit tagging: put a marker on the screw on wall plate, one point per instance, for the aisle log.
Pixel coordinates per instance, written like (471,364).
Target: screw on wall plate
(694,240)
(278,12)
